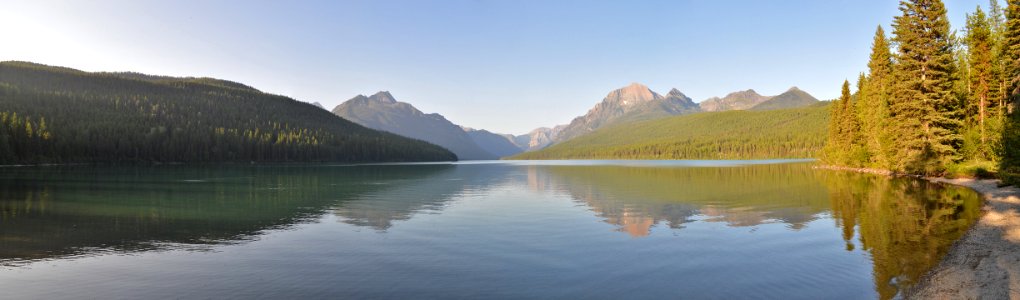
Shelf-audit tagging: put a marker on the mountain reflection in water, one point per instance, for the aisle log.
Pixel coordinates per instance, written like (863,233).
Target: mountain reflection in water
(903,225)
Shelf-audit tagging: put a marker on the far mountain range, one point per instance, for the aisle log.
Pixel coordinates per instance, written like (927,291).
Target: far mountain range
(635,102)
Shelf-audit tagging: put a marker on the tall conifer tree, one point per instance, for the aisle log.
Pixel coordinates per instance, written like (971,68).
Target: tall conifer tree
(832,152)
(873,103)
(1009,152)
(842,130)
(925,114)
(848,119)
(982,80)
(999,89)
(853,138)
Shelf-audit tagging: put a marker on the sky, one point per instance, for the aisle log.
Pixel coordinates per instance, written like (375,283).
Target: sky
(508,66)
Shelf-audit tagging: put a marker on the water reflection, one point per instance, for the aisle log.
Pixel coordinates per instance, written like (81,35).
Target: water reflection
(636,199)
(907,225)
(904,226)
(400,198)
(58,212)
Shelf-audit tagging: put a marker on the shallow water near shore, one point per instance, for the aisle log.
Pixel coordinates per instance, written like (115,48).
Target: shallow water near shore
(505,229)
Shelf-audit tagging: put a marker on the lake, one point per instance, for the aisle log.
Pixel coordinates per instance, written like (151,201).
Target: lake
(507,229)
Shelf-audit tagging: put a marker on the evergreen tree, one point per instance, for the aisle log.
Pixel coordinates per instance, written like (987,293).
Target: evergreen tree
(999,88)
(840,149)
(832,152)
(873,103)
(851,126)
(925,115)
(981,82)
(1009,151)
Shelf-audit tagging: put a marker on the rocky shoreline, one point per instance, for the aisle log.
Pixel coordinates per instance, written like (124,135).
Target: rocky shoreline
(985,262)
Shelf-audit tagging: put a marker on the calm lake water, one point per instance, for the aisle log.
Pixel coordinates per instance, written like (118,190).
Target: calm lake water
(559,229)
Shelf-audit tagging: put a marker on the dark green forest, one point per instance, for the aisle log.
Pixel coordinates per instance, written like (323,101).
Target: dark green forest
(60,115)
(937,101)
(786,133)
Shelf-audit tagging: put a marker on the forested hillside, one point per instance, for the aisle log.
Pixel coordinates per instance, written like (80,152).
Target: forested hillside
(789,133)
(60,115)
(939,102)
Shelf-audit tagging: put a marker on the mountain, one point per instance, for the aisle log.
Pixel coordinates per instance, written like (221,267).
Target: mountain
(734,101)
(738,134)
(675,103)
(500,145)
(538,138)
(792,98)
(751,100)
(382,112)
(319,105)
(61,115)
(635,102)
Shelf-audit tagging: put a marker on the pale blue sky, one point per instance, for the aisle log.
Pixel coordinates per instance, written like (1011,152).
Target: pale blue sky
(507,66)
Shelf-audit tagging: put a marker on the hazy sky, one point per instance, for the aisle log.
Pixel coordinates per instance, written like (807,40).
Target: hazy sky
(507,66)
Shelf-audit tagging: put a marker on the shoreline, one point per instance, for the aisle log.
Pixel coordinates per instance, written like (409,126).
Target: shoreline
(985,262)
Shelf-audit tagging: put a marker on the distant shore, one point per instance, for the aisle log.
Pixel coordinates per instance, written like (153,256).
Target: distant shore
(985,262)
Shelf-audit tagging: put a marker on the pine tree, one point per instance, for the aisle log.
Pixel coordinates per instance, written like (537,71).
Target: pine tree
(831,153)
(852,142)
(999,87)
(1009,151)
(981,81)
(924,113)
(843,129)
(873,103)
(846,117)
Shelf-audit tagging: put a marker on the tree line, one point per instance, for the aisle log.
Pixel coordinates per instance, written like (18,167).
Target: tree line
(931,99)
(58,115)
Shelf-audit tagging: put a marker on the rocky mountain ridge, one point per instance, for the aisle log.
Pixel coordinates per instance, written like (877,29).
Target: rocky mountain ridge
(632,103)
(382,111)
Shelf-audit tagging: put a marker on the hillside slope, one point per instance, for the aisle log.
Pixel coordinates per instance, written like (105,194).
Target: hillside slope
(500,145)
(790,133)
(61,115)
